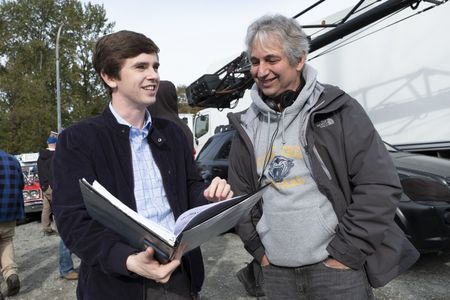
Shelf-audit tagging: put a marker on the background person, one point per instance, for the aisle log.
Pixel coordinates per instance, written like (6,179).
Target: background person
(44,164)
(11,211)
(45,171)
(65,263)
(326,224)
(166,107)
(144,161)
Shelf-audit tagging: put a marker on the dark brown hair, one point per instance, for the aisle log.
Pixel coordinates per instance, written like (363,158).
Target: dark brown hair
(111,50)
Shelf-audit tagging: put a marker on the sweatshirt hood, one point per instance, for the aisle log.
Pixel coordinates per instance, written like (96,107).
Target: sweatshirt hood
(305,100)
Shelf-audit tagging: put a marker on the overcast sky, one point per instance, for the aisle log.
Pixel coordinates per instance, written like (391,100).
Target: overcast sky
(199,36)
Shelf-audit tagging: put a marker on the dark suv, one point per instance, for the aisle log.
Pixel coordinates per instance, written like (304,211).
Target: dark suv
(424,209)
(213,157)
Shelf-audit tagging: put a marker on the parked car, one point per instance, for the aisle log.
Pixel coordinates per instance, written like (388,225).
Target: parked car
(424,208)
(32,193)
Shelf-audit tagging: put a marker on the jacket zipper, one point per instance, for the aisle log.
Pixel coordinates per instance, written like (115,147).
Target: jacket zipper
(316,153)
(306,121)
(322,164)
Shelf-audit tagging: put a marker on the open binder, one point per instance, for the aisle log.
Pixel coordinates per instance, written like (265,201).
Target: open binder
(192,228)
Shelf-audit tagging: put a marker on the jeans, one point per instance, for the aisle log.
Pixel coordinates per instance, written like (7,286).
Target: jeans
(315,281)
(65,259)
(46,214)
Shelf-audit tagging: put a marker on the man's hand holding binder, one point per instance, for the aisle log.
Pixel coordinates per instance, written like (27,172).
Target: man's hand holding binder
(146,265)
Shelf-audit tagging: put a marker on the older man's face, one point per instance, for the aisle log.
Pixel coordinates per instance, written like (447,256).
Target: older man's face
(271,69)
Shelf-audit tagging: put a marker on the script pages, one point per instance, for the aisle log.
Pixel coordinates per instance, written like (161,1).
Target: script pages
(192,228)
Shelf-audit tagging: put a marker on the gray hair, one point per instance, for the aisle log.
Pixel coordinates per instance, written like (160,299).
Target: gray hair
(289,32)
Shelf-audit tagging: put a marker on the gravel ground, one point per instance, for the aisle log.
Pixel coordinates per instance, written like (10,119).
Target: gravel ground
(37,257)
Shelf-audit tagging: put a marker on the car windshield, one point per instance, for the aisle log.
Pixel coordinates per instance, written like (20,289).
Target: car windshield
(30,173)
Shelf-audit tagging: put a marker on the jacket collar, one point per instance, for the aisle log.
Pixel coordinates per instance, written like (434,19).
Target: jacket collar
(123,131)
(330,99)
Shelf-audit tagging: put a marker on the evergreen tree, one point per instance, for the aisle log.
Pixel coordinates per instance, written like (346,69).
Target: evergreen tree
(28,31)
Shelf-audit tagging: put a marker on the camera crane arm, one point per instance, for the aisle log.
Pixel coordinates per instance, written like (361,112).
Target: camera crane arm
(212,90)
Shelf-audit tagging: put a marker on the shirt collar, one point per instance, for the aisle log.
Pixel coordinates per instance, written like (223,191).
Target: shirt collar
(120,120)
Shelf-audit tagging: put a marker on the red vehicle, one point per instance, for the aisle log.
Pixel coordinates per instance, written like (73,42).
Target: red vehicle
(32,193)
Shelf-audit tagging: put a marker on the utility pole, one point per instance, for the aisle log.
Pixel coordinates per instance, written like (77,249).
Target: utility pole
(58,85)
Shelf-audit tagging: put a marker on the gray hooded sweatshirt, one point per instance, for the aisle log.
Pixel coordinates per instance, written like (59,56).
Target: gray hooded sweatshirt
(298,221)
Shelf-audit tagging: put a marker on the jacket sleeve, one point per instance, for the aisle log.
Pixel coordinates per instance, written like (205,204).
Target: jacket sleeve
(375,190)
(96,245)
(241,180)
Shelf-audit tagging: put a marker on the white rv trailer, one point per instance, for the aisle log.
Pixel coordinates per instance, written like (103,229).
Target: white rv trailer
(401,76)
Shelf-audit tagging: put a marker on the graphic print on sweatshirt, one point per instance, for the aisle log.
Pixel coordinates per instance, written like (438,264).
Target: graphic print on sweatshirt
(280,167)
(283,160)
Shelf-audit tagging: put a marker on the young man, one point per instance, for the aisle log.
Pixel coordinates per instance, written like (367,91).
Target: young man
(325,228)
(146,163)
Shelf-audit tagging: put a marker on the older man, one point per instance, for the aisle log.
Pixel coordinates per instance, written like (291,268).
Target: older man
(325,229)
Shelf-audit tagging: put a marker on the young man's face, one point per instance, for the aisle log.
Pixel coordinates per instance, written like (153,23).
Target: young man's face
(271,69)
(138,83)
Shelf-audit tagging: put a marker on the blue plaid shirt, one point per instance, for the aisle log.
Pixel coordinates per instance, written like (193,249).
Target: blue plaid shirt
(151,199)
(11,185)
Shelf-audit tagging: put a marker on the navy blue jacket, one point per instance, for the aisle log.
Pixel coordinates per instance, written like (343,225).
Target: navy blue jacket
(99,149)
